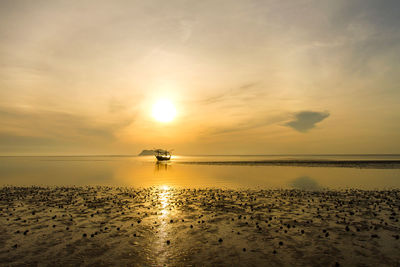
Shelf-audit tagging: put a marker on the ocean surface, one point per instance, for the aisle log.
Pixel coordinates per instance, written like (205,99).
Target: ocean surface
(309,172)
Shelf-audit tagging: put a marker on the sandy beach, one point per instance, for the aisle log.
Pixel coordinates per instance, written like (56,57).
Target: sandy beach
(102,226)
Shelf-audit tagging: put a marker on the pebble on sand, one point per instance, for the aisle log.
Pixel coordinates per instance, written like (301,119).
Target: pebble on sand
(341,230)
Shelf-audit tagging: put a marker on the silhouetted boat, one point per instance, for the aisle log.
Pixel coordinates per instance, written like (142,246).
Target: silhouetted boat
(162,154)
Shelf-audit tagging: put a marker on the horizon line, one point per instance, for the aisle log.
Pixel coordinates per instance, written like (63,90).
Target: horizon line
(137,155)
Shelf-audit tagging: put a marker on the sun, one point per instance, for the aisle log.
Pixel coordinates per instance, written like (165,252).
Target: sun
(164,110)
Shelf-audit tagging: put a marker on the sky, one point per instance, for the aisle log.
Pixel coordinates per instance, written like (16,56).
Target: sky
(245,77)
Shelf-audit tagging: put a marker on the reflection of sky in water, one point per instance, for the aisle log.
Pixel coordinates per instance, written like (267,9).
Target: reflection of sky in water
(305,183)
(144,172)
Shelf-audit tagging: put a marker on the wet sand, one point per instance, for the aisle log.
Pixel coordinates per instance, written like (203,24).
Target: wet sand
(102,226)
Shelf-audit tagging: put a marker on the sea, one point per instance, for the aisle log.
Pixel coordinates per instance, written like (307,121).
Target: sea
(306,172)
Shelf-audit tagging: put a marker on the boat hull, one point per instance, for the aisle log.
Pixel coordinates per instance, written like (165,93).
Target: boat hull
(162,158)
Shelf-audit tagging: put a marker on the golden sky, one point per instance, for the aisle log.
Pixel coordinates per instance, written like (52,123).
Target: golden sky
(245,77)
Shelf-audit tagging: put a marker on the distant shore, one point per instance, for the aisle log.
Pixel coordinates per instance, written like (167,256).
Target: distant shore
(364,164)
(104,226)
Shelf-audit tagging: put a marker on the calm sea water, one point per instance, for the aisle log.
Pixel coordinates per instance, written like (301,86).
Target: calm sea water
(145,171)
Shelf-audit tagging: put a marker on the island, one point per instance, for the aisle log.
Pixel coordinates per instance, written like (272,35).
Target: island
(147,152)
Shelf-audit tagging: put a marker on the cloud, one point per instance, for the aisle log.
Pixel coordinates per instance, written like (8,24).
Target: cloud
(12,140)
(116,106)
(38,130)
(239,92)
(248,124)
(186,28)
(306,120)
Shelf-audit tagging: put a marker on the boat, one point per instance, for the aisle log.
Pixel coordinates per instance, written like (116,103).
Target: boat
(162,155)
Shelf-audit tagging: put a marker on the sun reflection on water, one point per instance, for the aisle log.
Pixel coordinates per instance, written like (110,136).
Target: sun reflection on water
(164,195)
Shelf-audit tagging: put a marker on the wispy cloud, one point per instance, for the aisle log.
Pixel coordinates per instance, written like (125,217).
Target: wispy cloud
(246,125)
(232,93)
(44,129)
(306,120)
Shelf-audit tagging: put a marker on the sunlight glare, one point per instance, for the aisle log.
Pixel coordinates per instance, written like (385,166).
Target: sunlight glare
(164,196)
(164,110)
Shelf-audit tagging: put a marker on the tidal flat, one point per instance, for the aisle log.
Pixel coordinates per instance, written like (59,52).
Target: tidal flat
(102,226)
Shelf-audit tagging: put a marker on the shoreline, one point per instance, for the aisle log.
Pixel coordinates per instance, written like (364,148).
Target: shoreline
(362,164)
